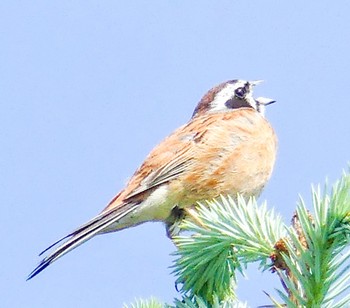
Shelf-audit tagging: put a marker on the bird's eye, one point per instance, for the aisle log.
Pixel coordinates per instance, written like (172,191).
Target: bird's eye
(240,92)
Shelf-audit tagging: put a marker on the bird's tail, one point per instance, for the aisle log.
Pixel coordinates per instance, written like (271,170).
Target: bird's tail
(84,233)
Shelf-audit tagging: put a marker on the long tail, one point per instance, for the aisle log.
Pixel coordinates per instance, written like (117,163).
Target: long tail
(83,233)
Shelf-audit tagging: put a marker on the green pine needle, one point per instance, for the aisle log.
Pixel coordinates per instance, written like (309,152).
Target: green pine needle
(151,303)
(197,302)
(318,274)
(231,234)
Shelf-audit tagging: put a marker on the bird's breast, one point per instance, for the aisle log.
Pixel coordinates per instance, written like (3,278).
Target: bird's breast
(235,154)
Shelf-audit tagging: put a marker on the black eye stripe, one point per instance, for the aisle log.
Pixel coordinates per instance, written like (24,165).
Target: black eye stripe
(235,103)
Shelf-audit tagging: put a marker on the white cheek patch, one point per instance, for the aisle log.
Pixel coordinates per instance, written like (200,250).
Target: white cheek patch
(219,102)
(262,102)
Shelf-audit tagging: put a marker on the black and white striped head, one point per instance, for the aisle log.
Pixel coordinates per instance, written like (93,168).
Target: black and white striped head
(231,95)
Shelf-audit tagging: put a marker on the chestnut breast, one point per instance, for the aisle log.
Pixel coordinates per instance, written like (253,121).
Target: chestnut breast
(232,152)
(215,153)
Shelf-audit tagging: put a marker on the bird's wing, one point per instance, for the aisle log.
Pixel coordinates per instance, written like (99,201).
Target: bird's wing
(167,161)
(165,173)
(173,156)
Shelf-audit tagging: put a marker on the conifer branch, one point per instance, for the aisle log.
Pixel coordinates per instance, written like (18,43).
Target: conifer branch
(315,268)
(231,235)
(309,257)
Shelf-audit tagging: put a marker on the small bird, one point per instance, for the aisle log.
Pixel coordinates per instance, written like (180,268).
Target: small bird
(226,148)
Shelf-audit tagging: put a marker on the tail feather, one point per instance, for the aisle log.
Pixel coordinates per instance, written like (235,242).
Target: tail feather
(76,231)
(83,233)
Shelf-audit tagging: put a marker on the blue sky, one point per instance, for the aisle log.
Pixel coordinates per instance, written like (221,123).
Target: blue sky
(87,88)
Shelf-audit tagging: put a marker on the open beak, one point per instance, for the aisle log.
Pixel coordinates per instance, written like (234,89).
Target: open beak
(255,82)
(264,101)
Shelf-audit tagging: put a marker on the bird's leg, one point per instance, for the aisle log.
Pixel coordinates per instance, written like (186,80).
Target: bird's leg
(173,222)
(177,215)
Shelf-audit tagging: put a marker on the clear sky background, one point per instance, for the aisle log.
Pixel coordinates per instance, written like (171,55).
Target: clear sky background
(87,88)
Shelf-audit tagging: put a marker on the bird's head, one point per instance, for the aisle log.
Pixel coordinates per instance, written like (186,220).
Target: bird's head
(231,95)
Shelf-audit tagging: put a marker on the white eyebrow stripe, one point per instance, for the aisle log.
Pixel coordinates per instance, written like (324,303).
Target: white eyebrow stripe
(219,102)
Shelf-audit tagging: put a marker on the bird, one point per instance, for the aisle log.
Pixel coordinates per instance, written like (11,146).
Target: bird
(226,148)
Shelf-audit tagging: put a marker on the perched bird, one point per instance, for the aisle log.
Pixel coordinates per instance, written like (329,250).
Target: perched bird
(227,147)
